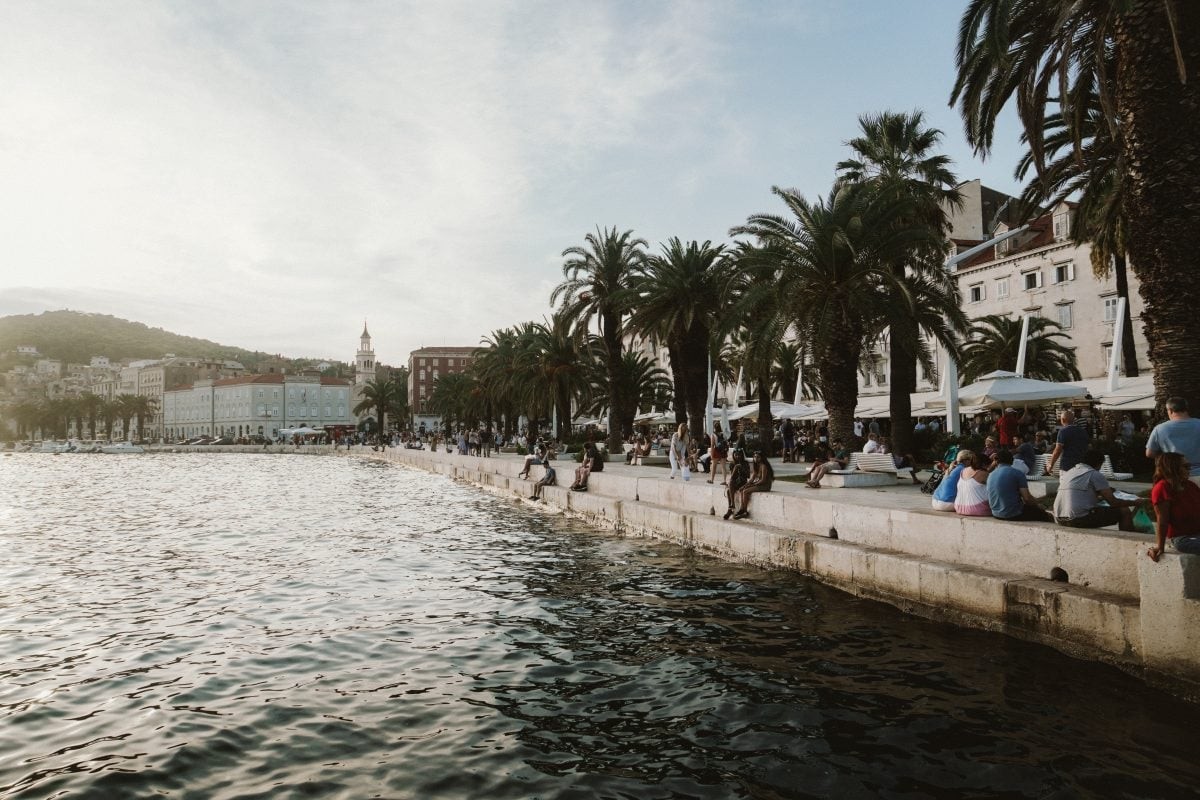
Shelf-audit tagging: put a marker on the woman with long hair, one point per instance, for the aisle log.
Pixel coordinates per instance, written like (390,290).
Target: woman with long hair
(1176,505)
(971,499)
(739,473)
(680,444)
(761,478)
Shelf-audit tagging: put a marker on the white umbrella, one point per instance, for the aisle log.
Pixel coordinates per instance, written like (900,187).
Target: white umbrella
(1001,388)
(779,410)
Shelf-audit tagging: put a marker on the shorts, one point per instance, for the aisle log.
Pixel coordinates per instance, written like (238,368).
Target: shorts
(1098,517)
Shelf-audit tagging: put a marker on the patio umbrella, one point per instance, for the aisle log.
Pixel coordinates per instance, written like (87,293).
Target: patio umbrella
(1004,388)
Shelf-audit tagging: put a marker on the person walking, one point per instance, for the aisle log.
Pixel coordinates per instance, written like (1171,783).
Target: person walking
(719,457)
(679,453)
(1070,444)
(1179,434)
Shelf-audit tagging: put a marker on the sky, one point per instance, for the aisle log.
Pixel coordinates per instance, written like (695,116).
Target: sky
(271,174)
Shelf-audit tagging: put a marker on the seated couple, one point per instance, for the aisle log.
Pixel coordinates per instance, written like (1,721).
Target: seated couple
(973,490)
(744,481)
(593,461)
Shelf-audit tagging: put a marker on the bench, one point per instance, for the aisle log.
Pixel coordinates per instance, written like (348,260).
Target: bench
(651,460)
(852,477)
(1106,469)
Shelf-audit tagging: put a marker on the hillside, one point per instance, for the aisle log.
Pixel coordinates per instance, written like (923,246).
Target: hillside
(75,337)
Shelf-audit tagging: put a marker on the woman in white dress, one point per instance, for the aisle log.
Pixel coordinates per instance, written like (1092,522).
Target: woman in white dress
(679,453)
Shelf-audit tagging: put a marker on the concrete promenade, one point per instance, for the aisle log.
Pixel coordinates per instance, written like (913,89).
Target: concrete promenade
(1090,593)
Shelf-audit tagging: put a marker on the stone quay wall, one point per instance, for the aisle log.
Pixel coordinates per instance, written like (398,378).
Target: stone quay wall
(1115,604)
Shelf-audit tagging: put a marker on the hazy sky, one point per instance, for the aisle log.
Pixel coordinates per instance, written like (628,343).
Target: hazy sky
(268,175)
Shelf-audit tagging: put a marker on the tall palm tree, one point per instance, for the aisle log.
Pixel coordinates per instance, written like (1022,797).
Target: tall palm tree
(596,286)
(139,407)
(558,354)
(1094,173)
(399,409)
(831,261)
(91,405)
(495,368)
(896,153)
(452,399)
(1053,55)
(377,396)
(681,299)
(648,386)
(995,341)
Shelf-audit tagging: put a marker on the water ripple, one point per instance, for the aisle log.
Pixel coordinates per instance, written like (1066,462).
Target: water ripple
(199,626)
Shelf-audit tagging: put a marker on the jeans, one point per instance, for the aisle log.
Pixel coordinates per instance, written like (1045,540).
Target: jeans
(1185,544)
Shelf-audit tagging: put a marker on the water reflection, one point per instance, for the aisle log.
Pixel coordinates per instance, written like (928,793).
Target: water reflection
(271,626)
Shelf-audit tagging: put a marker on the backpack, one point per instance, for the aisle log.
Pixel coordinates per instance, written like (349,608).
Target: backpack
(722,447)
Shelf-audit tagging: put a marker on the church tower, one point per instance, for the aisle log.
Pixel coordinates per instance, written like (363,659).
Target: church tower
(364,360)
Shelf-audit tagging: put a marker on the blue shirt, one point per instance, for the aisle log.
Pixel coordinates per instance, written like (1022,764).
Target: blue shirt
(1004,486)
(1177,436)
(1074,440)
(947,490)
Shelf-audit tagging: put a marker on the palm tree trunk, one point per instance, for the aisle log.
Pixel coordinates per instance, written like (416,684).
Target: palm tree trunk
(838,368)
(902,375)
(679,381)
(611,335)
(695,370)
(766,425)
(1163,161)
(1128,345)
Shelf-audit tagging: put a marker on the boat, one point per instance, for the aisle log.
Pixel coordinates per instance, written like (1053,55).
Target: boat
(121,447)
(57,447)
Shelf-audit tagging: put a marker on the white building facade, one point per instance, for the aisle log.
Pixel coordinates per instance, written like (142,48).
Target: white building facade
(256,405)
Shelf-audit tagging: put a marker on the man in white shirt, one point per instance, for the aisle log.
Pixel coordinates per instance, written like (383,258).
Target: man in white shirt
(1080,490)
(872,445)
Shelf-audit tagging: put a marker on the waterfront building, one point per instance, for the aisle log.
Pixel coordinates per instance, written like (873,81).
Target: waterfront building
(256,405)
(364,359)
(425,367)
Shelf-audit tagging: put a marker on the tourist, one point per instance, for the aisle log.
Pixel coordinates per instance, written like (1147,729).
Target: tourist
(534,459)
(1080,490)
(548,479)
(1039,443)
(947,490)
(761,478)
(872,445)
(591,457)
(678,453)
(1176,505)
(1007,427)
(901,460)
(1023,451)
(837,460)
(989,447)
(971,496)
(1008,492)
(858,428)
(1179,434)
(1125,429)
(719,458)
(873,427)
(789,441)
(640,449)
(739,473)
(1070,444)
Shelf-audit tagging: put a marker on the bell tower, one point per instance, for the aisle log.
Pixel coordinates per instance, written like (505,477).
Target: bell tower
(364,360)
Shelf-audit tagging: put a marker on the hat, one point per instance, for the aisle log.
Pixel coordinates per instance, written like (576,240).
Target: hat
(1010,410)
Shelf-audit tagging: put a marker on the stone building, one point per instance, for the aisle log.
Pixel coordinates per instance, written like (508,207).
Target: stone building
(425,366)
(256,405)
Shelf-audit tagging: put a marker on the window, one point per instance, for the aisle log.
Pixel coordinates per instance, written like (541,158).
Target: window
(422,375)
(341,411)
(1064,315)
(1003,247)
(1064,272)
(422,391)
(976,293)
(422,362)
(1032,280)
(328,411)
(1062,226)
(1110,308)
(1002,287)
(435,374)
(435,362)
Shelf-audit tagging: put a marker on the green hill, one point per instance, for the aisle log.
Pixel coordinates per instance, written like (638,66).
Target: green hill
(75,337)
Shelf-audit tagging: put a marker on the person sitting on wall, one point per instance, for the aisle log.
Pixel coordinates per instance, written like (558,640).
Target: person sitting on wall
(548,479)
(641,448)
(1080,490)
(535,459)
(591,457)
(1176,502)
(739,473)
(1025,453)
(1008,492)
(901,460)
(971,495)
(761,478)
(947,490)
(837,460)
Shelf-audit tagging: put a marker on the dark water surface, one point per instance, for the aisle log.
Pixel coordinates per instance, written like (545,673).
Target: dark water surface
(212,626)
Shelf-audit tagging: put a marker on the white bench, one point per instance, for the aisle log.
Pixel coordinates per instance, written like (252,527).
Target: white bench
(854,477)
(651,460)
(1106,469)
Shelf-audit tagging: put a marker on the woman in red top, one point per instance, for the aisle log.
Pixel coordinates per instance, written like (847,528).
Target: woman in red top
(1177,506)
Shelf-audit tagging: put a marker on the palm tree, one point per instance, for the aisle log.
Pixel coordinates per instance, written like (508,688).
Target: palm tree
(895,153)
(1053,55)
(596,286)
(1093,173)
(995,341)
(495,368)
(647,387)
(399,409)
(451,398)
(680,300)
(557,356)
(377,396)
(109,412)
(125,409)
(139,407)
(830,262)
(91,405)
